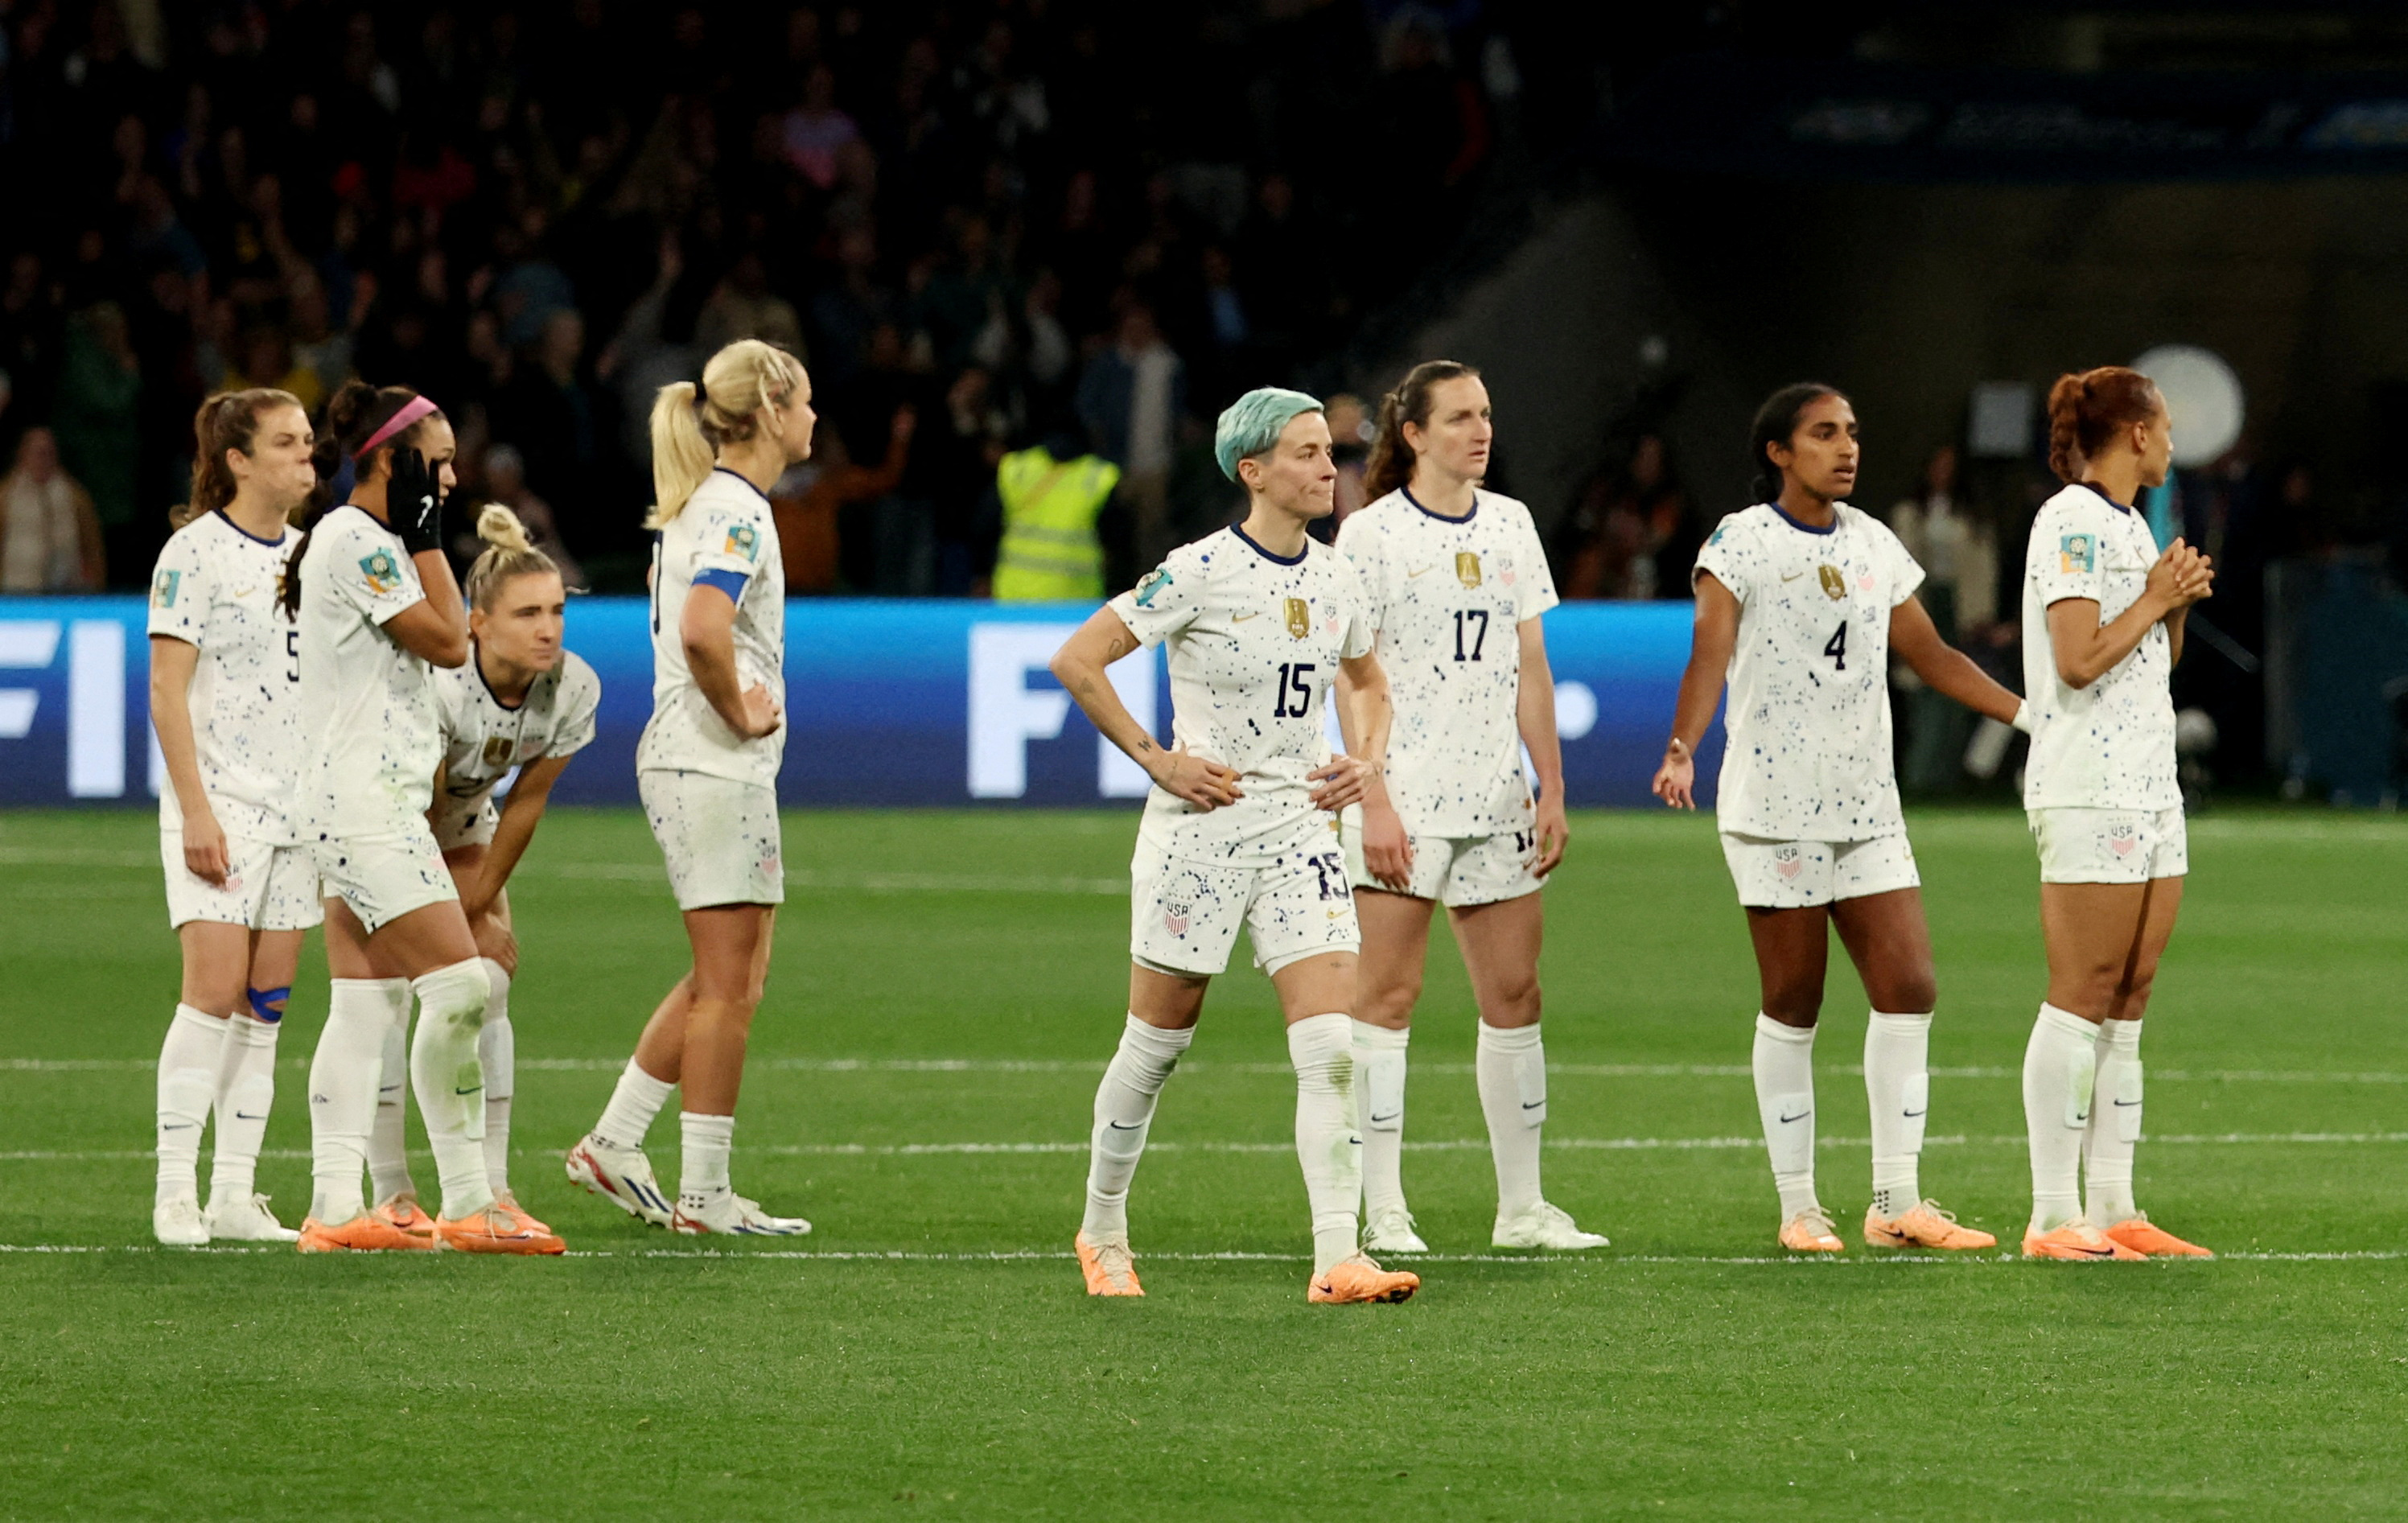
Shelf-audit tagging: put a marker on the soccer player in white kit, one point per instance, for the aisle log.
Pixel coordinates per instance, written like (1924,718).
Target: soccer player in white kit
(242,890)
(518,707)
(377,611)
(708,770)
(1801,601)
(1457,583)
(1240,828)
(2103,615)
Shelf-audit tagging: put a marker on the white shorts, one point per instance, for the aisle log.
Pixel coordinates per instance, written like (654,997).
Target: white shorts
(266,888)
(1458,871)
(1800,875)
(384,877)
(1184,917)
(2110,845)
(719,836)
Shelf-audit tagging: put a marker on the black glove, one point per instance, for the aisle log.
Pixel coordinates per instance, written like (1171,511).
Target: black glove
(413,503)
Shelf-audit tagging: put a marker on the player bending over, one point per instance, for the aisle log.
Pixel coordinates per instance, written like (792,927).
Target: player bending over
(1240,827)
(377,611)
(708,770)
(241,887)
(1457,582)
(519,702)
(1801,601)
(2103,615)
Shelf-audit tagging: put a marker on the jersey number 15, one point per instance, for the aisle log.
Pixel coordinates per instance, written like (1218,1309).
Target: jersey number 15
(1293,697)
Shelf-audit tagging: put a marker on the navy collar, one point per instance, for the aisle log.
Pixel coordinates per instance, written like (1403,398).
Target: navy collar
(2092,487)
(723,471)
(246,533)
(1297,559)
(1807,528)
(477,661)
(1407,492)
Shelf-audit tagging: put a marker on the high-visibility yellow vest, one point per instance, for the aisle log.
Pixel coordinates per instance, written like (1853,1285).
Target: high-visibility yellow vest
(1050,551)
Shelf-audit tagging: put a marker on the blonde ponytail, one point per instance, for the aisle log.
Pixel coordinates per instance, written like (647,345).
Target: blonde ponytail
(689,427)
(509,554)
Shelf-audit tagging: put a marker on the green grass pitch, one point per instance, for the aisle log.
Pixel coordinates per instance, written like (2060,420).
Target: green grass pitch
(947,986)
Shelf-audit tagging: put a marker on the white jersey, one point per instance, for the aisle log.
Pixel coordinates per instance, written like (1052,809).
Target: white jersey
(1806,753)
(1255,640)
(216,588)
(370,737)
(2110,746)
(723,538)
(484,738)
(1447,597)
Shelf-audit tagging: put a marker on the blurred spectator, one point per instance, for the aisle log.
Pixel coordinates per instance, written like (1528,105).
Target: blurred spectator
(1050,497)
(1632,532)
(1129,400)
(815,133)
(264,358)
(1351,430)
(505,481)
(99,400)
(742,306)
(50,537)
(1959,553)
(550,415)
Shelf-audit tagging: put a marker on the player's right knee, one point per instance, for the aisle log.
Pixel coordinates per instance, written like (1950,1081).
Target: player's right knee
(1797,1006)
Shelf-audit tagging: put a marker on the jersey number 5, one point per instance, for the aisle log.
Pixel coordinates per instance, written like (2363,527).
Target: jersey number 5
(1293,699)
(1837,647)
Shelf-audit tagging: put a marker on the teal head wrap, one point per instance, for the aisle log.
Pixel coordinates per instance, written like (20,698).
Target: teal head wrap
(1254,422)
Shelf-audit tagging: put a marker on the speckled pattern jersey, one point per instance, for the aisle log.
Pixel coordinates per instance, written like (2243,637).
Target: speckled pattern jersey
(1807,755)
(484,739)
(2110,746)
(723,537)
(1447,597)
(370,741)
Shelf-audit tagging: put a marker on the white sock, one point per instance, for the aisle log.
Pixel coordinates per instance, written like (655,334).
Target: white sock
(2115,1125)
(1785,1100)
(707,1139)
(1380,1104)
(450,1082)
(498,1052)
(1124,1115)
(343,1091)
(1898,1091)
(2058,1065)
(245,1089)
(188,1078)
(1321,1047)
(388,1139)
(633,1105)
(1509,1066)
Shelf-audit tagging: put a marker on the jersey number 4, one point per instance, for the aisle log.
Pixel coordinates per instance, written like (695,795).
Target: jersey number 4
(1293,699)
(1837,647)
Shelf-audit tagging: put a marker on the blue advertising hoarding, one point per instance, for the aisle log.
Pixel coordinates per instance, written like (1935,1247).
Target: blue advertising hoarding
(890,702)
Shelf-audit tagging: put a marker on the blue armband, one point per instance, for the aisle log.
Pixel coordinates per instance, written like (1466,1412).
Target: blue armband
(730,583)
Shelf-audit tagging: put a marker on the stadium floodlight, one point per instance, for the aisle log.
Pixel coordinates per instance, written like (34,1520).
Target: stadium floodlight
(2204,396)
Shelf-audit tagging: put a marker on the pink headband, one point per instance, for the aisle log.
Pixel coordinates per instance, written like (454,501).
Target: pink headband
(411,411)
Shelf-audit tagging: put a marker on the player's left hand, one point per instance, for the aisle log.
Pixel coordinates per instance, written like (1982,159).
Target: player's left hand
(1675,779)
(1555,832)
(1340,784)
(1387,850)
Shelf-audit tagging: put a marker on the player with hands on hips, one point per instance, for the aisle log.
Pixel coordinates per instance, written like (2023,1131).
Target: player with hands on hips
(1459,586)
(1240,828)
(1801,601)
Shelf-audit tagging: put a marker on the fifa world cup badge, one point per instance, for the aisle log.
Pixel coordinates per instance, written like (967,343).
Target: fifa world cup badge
(1300,617)
(163,591)
(744,539)
(383,573)
(1466,567)
(2076,553)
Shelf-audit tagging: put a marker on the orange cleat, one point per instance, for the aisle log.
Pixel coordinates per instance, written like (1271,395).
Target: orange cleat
(1358,1280)
(2077,1241)
(496,1229)
(1812,1231)
(1111,1269)
(507,1199)
(363,1233)
(404,1215)
(1925,1225)
(2150,1241)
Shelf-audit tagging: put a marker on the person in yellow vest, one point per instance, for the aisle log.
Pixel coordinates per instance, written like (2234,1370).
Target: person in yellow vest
(1051,495)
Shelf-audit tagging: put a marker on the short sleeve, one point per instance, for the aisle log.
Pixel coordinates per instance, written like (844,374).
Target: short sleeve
(1165,601)
(375,578)
(1724,556)
(1362,626)
(1905,572)
(1534,590)
(1365,549)
(2066,561)
(580,697)
(180,591)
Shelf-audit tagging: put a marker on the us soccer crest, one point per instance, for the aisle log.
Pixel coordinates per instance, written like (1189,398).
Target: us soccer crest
(1300,617)
(1835,585)
(383,571)
(1466,567)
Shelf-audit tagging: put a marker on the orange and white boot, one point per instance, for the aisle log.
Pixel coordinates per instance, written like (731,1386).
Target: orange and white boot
(496,1229)
(1924,1225)
(402,1214)
(2077,1241)
(363,1233)
(509,1199)
(1358,1280)
(1111,1269)
(2150,1241)
(1812,1231)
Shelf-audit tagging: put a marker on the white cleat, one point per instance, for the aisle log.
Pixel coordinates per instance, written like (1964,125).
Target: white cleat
(246,1219)
(1390,1230)
(1544,1226)
(176,1223)
(724,1211)
(622,1176)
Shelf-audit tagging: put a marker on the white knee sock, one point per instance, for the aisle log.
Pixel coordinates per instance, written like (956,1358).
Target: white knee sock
(188,1078)
(1898,1091)
(2058,1065)
(1379,1105)
(388,1137)
(450,1082)
(2115,1125)
(1124,1115)
(707,1141)
(498,1052)
(1784,1101)
(1321,1047)
(343,1091)
(633,1105)
(245,1089)
(1511,1069)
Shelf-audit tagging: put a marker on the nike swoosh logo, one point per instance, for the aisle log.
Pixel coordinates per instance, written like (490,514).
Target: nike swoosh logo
(1792,576)
(1532,1105)
(246,1115)
(1390,1116)
(1117,1127)
(1911,1115)
(2096,1253)
(474,1089)
(1799,1116)
(244,591)
(1424,572)
(1241,618)
(177,1126)
(2123,1103)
